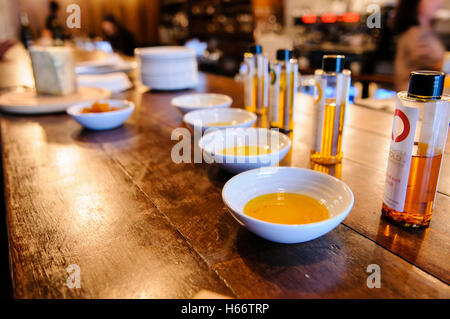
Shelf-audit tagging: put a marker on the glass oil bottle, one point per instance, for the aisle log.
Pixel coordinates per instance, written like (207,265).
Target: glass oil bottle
(330,105)
(283,88)
(416,149)
(256,82)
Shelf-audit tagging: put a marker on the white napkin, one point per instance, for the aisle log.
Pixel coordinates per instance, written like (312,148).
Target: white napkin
(114,82)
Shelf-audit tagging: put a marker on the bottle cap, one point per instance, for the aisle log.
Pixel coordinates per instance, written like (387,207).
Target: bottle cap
(283,55)
(333,63)
(426,84)
(256,49)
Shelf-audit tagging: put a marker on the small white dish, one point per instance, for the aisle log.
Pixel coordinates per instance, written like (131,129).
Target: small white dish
(215,140)
(104,120)
(330,191)
(197,101)
(219,118)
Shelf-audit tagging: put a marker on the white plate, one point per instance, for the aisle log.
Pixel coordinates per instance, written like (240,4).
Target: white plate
(204,118)
(114,82)
(124,66)
(164,52)
(170,83)
(330,191)
(28,102)
(109,63)
(185,73)
(197,101)
(170,66)
(214,142)
(170,86)
(104,120)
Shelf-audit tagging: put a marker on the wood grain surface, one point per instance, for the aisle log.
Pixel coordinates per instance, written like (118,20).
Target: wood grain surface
(141,226)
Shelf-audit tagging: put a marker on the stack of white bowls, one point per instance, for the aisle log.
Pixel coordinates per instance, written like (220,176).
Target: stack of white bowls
(168,67)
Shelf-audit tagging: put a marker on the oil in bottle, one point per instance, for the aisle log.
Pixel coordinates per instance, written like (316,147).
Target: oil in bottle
(255,82)
(330,106)
(283,90)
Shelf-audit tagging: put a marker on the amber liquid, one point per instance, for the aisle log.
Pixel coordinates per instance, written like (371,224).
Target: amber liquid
(260,109)
(287,208)
(326,155)
(262,121)
(420,194)
(245,151)
(281,98)
(333,170)
(252,107)
(285,106)
(289,126)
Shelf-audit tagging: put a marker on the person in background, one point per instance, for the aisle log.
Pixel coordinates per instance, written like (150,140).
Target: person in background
(418,46)
(52,23)
(120,38)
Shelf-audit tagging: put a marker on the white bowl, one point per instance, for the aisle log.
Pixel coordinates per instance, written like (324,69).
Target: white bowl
(215,140)
(330,191)
(165,68)
(197,101)
(103,120)
(169,85)
(204,118)
(169,77)
(168,67)
(165,52)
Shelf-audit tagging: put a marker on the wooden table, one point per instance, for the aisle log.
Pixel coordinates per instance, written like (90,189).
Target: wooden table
(140,226)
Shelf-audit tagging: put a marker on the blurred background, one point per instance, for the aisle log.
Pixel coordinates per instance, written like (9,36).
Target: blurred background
(221,30)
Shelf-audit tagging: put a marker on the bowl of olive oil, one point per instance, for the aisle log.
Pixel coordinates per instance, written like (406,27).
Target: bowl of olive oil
(287,204)
(201,101)
(209,120)
(241,149)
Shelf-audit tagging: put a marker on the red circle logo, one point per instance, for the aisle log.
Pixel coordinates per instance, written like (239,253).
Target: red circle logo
(406,126)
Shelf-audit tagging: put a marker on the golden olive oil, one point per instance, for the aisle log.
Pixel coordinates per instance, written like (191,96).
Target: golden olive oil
(330,151)
(221,123)
(286,208)
(283,88)
(288,124)
(245,150)
(281,100)
(254,95)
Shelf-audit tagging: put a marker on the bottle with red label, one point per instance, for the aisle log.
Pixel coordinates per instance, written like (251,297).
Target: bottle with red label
(419,136)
